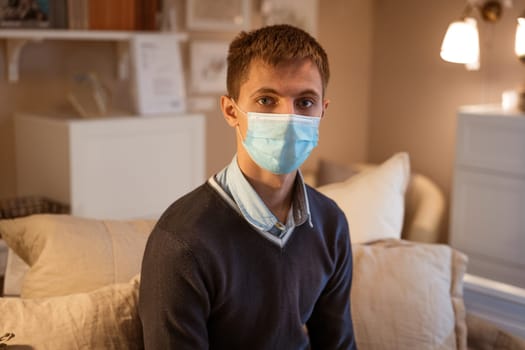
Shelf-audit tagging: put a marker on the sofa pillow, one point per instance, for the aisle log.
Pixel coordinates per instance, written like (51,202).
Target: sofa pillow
(106,318)
(408,296)
(68,254)
(374,200)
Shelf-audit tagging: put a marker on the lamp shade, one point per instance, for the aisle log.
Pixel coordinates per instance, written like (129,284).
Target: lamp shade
(519,44)
(461,42)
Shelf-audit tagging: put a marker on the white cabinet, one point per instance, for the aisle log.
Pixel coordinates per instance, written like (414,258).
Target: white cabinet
(118,168)
(488,198)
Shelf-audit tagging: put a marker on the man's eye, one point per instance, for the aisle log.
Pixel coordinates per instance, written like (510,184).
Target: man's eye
(306,103)
(265,101)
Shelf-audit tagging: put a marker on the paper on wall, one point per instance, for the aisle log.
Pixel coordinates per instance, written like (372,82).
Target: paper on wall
(158,74)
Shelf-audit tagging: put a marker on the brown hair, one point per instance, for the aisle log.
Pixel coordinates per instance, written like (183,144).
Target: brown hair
(273,45)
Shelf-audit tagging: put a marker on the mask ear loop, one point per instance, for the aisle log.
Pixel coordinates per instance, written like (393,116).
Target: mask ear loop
(238,131)
(237,128)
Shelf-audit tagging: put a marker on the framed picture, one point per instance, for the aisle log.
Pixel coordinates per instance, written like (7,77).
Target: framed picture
(24,13)
(33,13)
(208,66)
(225,15)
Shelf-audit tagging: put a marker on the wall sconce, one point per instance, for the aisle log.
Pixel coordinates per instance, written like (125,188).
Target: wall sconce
(461,41)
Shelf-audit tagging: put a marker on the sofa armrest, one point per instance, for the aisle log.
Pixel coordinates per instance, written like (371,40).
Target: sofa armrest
(424,210)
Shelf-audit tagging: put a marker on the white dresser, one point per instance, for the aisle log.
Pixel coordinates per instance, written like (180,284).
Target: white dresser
(488,213)
(116,168)
(488,198)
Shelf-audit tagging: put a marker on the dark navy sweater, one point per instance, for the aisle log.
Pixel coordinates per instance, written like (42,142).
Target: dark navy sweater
(211,281)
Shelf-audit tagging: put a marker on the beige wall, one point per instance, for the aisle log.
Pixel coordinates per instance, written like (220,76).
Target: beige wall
(345,31)
(389,89)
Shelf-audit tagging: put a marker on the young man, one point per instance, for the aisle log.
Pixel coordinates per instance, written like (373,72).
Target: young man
(254,258)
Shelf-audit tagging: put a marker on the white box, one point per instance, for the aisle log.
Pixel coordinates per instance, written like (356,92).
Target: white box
(116,168)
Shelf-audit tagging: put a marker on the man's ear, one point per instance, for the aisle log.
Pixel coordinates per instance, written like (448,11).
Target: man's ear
(229,111)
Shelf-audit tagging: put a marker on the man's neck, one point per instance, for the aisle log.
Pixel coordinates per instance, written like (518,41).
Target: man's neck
(276,191)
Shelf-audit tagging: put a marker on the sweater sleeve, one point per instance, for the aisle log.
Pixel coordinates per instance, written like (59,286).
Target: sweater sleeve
(330,325)
(173,302)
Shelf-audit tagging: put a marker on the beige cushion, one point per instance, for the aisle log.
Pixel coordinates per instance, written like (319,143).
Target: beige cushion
(408,296)
(68,254)
(106,318)
(374,200)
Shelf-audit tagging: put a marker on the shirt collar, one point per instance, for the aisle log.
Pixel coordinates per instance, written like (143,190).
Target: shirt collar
(253,208)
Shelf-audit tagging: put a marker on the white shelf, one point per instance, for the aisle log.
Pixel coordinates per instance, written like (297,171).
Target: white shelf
(67,34)
(16,39)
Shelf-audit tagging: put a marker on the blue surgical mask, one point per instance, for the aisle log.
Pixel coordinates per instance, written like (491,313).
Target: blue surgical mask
(280,143)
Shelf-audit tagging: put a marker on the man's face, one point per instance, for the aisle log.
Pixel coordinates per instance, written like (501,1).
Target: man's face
(292,87)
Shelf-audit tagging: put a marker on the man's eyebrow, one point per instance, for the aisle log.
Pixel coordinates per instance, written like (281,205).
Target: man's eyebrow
(267,90)
(264,90)
(310,92)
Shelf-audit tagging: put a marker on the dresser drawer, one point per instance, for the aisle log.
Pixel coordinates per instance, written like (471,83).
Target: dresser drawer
(487,223)
(493,142)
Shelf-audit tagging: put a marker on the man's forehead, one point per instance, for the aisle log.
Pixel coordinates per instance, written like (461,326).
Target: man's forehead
(302,75)
(258,64)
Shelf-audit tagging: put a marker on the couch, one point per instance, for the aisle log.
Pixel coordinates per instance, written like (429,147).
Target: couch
(80,288)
